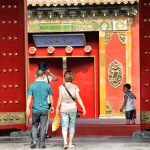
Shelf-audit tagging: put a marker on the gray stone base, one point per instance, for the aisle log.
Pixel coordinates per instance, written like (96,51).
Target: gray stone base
(20,134)
(141,134)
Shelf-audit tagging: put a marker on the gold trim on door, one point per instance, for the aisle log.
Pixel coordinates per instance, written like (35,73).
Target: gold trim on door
(102,73)
(7,118)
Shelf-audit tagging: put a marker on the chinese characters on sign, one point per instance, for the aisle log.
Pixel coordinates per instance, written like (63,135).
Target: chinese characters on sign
(59,40)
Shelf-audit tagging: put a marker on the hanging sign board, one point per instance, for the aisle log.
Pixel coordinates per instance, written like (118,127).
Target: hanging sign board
(59,40)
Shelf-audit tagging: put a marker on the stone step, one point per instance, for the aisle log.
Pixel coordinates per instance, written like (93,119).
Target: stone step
(20,134)
(141,134)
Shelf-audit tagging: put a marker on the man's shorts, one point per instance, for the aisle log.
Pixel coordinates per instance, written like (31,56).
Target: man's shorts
(131,114)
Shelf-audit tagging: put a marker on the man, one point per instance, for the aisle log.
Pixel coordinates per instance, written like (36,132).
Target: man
(48,79)
(40,108)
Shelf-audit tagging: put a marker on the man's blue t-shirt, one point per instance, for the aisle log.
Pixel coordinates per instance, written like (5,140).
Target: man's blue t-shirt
(39,89)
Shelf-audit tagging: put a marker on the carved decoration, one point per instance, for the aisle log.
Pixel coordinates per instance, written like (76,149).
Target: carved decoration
(87,49)
(32,50)
(77,2)
(115,74)
(145,116)
(108,37)
(50,49)
(123,112)
(129,23)
(108,108)
(90,14)
(122,37)
(69,49)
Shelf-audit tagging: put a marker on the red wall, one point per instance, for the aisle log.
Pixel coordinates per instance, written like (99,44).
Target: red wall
(77,51)
(136,63)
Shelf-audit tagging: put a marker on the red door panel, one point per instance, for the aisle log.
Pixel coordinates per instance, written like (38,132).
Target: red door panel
(55,66)
(144,63)
(12,56)
(115,50)
(83,67)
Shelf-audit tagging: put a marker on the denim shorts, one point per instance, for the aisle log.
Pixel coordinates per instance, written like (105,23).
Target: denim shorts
(68,119)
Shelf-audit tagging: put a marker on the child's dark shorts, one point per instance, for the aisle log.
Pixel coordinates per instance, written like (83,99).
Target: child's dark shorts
(131,114)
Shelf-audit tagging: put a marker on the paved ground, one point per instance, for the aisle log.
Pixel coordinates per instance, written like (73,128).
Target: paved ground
(81,142)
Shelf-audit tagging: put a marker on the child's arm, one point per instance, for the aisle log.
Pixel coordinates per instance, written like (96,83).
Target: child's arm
(125,100)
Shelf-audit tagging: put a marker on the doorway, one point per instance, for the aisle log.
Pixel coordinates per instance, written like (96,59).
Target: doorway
(83,67)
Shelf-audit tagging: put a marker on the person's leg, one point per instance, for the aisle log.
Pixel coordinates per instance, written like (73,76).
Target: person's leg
(47,124)
(128,121)
(35,123)
(127,114)
(71,135)
(43,123)
(64,133)
(71,127)
(133,116)
(133,121)
(65,120)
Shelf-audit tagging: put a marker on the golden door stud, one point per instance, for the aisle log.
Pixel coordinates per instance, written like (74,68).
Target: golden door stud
(11,102)
(16,102)
(16,70)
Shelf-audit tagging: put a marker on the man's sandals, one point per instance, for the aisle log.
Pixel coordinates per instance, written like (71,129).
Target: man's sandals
(48,136)
(33,144)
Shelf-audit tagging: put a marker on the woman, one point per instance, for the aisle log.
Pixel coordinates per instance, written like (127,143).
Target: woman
(48,78)
(68,107)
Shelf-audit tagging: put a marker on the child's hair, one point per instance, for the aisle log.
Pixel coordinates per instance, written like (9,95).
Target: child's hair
(128,86)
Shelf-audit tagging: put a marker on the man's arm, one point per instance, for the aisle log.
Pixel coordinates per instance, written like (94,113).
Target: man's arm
(52,103)
(54,77)
(125,100)
(28,104)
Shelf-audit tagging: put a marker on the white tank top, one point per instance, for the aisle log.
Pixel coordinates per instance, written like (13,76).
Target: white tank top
(129,104)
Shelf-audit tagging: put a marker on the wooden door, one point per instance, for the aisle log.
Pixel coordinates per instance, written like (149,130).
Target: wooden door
(55,66)
(144,63)
(83,67)
(12,61)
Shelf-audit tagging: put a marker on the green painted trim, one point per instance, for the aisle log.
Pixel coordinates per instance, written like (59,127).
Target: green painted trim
(75,26)
(111,25)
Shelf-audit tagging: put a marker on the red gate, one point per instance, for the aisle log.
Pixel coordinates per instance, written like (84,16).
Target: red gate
(12,64)
(145,63)
(12,61)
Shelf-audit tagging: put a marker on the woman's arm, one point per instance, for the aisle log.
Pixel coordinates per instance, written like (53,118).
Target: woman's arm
(80,102)
(59,102)
(125,100)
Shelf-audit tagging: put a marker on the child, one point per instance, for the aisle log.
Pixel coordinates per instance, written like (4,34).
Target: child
(130,111)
